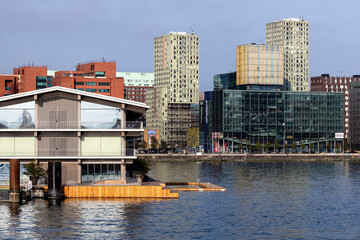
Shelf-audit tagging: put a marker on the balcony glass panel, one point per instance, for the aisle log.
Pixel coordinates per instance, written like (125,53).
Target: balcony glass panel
(96,116)
(17,116)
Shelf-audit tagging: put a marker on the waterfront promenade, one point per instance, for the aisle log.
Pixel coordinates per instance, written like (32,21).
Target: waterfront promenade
(253,157)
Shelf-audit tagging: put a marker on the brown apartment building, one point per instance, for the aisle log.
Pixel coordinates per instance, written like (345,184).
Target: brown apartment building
(327,83)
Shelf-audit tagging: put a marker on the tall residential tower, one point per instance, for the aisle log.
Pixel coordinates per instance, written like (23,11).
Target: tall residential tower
(293,35)
(176,85)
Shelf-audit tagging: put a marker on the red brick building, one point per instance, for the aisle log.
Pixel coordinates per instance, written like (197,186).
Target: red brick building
(8,84)
(96,77)
(31,78)
(327,83)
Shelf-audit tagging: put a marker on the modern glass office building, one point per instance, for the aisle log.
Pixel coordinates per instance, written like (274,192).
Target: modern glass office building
(250,116)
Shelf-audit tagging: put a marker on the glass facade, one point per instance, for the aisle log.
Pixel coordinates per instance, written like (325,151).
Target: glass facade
(98,116)
(40,82)
(269,116)
(259,64)
(225,80)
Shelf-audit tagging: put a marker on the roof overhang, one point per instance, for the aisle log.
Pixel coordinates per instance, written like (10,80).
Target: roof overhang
(106,100)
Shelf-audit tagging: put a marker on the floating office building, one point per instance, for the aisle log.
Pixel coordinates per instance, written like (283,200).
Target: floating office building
(82,136)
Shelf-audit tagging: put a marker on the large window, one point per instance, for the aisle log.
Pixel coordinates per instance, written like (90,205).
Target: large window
(98,145)
(99,116)
(16,116)
(17,145)
(96,172)
(90,90)
(40,82)
(104,90)
(100,74)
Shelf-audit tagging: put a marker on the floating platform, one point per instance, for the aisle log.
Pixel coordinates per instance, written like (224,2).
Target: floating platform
(146,190)
(194,187)
(155,190)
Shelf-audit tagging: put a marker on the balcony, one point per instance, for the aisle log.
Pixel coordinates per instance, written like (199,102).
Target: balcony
(69,154)
(70,125)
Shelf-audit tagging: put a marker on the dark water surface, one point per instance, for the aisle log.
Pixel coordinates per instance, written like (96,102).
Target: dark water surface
(263,200)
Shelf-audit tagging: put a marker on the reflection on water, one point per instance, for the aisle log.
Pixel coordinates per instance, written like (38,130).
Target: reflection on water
(263,200)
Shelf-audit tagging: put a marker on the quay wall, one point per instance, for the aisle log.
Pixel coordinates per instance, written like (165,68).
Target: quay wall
(251,157)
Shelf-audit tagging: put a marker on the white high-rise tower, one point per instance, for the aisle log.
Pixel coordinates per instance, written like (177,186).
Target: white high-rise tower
(293,35)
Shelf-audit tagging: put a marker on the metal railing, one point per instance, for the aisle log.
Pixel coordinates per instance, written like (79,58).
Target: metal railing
(17,125)
(57,125)
(134,124)
(70,125)
(101,125)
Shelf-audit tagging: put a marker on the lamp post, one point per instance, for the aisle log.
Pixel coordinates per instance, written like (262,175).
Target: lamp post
(284,136)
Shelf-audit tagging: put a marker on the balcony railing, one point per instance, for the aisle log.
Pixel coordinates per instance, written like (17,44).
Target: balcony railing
(69,153)
(134,124)
(70,125)
(17,125)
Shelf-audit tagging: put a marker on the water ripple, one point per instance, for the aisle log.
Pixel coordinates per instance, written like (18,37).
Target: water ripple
(264,200)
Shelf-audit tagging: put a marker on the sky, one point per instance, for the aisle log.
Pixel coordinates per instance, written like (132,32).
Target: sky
(61,34)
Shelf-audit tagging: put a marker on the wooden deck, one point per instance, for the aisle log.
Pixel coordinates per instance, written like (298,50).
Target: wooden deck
(119,191)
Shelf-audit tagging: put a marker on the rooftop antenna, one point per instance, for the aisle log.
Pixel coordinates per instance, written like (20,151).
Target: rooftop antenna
(192,31)
(103,59)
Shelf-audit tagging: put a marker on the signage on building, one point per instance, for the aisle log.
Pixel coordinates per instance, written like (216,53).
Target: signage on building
(150,135)
(339,135)
(217,135)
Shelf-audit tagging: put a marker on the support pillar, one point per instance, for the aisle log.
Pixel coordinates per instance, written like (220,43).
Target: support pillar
(15,191)
(54,185)
(123,171)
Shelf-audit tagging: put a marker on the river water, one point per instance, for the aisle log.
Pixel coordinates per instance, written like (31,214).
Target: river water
(264,200)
